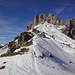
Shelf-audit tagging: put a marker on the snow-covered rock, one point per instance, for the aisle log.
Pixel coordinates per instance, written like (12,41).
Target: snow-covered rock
(52,53)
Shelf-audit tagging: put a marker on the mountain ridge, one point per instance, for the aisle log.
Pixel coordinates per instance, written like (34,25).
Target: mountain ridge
(53,19)
(68,29)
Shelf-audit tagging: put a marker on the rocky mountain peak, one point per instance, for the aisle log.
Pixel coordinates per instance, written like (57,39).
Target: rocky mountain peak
(50,18)
(53,19)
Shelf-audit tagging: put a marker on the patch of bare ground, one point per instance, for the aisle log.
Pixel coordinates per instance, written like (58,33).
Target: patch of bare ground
(28,43)
(22,51)
(2,67)
(4,62)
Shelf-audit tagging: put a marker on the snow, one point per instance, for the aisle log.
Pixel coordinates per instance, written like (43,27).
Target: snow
(50,55)
(2,44)
(16,40)
(59,38)
(4,49)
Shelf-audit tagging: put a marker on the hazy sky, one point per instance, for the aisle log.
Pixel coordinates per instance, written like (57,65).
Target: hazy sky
(16,14)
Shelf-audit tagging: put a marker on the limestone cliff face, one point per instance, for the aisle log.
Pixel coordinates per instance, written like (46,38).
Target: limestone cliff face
(53,19)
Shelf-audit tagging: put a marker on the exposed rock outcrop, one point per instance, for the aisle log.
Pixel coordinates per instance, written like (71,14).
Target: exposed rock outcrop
(70,28)
(19,41)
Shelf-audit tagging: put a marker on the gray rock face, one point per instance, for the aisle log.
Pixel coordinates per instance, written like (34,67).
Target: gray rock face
(53,19)
(50,18)
(70,28)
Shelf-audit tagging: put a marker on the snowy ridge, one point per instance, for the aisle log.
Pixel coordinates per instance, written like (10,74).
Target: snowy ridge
(55,34)
(51,54)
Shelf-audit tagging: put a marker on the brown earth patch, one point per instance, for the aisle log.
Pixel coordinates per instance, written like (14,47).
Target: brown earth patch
(23,50)
(2,67)
(28,43)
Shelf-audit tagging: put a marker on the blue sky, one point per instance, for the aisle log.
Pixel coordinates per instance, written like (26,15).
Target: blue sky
(16,14)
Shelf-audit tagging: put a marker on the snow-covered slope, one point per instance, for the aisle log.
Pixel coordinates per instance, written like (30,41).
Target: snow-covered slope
(55,33)
(52,53)
(4,48)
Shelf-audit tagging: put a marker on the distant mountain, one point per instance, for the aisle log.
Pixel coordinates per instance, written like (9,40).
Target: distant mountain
(2,45)
(43,49)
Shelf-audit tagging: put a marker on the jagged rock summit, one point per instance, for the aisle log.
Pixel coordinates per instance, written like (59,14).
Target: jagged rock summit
(50,18)
(69,29)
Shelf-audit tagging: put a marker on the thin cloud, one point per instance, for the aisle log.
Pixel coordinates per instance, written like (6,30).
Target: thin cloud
(5,3)
(22,3)
(70,9)
(11,30)
(17,32)
(10,35)
(4,22)
(65,7)
(68,4)
(1,37)
(9,27)
(58,10)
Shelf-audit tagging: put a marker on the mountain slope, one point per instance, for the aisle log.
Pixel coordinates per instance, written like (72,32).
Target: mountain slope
(55,33)
(48,52)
